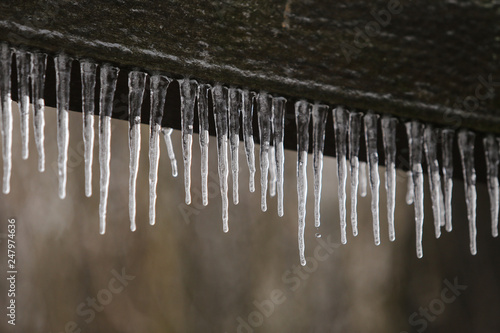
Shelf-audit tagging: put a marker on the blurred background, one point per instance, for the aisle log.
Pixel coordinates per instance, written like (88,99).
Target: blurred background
(185,275)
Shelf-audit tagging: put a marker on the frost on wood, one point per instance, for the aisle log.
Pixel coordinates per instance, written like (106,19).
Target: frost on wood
(38,67)
(354,138)
(340,123)
(23,93)
(319,116)
(278,109)
(203,91)
(389,138)
(247,118)
(491,147)
(6,108)
(447,137)
(234,137)
(264,116)
(370,122)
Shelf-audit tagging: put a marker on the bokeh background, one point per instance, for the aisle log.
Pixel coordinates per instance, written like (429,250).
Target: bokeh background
(186,275)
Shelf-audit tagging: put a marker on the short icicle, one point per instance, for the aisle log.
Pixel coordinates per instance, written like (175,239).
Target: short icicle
(234,137)
(220,98)
(415,132)
(88,74)
(466,141)
(278,110)
(389,138)
(491,152)
(354,138)
(363,179)
(265,119)
(167,136)
(447,137)
(188,91)
(109,76)
(247,118)
(136,86)
(370,122)
(319,116)
(6,108)
(38,67)
(158,92)
(63,76)
(203,91)
(340,124)
(23,88)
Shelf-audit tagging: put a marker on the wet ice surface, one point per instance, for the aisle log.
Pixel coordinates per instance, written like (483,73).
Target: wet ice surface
(370,122)
(319,115)
(6,118)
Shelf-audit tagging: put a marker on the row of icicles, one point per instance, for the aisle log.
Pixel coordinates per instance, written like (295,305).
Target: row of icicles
(228,106)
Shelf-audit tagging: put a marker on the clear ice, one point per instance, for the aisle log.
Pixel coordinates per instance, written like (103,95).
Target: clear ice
(23,88)
(389,139)
(319,116)
(38,67)
(341,123)
(278,109)
(355,119)
(264,114)
(234,137)
(6,103)
(447,137)
(491,148)
(247,119)
(370,122)
(167,136)
(203,91)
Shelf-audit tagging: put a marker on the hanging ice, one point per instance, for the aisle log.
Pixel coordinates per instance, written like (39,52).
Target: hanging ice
(363,179)
(264,115)
(466,140)
(6,103)
(188,91)
(88,74)
(341,123)
(447,136)
(203,90)
(167,136)
(38,65)
(354,137)
(430,140)
(278,110)
(136,85)
(302,116)
(109,76)
(272,171)
(415,132)
(158,90)
(247,118)
(410,191)
(220,98)
(491,148)
(234,137)
(23,88)
(389,138)
(63,77)
(370,122)
(319,115)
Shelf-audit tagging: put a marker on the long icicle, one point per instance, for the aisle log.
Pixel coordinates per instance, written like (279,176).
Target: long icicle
(109,76)
(363,179)
(88,74)
(354,138)
(370,122)
(167,136)
(466,141)
(38,66)
(302,117)
(23,88)
(63,77)
(247,119)
(278,137)
(136,86)
(319,116)
(220,98)
(188,91)
(447,137)
(389,138)
(234,137)
(341,123)
(203,91)
(410,191)
(491,152)
(430,140)
(6,102)
(158,92)
(415,132)
(264,114)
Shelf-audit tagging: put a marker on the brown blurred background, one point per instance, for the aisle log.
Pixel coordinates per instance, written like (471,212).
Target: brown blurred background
(185,275)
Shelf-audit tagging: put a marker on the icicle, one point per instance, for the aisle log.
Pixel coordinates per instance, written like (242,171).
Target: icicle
(410,191)
(272,171)
(63,77)
(234,137)
(38,65)
(389,137)
(278,137)
(430,140)
(247,118)
(158,90)
(88,74)
(415,132)
(491,148)
(447,136)
(363,179)
(264,115)
(6,102)
(354,137)
(220,98)
(167,136)
(109,76)
(341,123)
(466,140)
(23,88)
(302,116)
(188,91)
(319,115)
(203,91)
(370,122)
(136,85)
